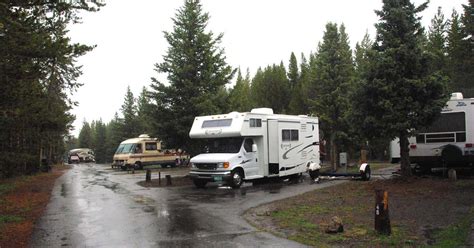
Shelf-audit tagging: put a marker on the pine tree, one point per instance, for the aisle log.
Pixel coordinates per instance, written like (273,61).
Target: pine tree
(459,54)
(85,136)
(468,31)
(399,94)
(197,75)
(437,43)
(295,103)
(38,74)
(100,141)
(144,110)
(271,88)
(362,61)
(129,113)
(239,96)
(293,74)
(331,77)
(114,136)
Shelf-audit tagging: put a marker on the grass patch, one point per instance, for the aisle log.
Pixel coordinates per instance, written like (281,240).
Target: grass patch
(454,235)
(5,188)
(10,219)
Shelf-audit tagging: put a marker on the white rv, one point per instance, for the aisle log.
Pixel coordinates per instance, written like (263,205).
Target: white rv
(246,146)
(448,142)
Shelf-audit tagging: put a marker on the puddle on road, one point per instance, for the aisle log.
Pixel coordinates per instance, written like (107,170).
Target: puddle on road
(64,190)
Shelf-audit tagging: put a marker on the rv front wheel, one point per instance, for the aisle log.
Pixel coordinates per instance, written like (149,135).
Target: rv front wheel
(236,179)
(199,183)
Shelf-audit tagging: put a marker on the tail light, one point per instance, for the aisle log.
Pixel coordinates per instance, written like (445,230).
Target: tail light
(413,146)
(468,145)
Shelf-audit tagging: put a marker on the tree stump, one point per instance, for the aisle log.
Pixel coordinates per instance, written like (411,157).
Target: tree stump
(335,226)
(382,217)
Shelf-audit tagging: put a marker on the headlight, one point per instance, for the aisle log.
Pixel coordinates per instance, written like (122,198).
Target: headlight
(192,165)
(223,165)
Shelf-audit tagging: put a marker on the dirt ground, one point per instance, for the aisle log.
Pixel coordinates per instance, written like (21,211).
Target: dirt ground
(22,201)
(423,211)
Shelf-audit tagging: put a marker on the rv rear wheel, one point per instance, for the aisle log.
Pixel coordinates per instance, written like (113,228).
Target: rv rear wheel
(199,183)
(138,166)
(236,178)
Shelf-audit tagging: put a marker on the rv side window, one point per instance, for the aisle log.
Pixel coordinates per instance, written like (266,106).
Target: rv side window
(294,135)
(285,135)
(255,122)
(217,123)
(248,145)
(289,135)
(150,146)
(449,127)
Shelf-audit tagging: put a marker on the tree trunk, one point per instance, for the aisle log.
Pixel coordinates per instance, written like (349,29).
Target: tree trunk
(404,155)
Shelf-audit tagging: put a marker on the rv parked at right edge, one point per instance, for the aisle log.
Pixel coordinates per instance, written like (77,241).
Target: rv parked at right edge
(448,142)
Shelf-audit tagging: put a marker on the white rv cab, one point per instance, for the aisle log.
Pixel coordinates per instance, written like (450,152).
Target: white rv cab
(448,142)
(252,145)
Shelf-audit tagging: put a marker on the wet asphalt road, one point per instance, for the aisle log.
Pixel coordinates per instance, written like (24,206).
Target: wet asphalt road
(93,206)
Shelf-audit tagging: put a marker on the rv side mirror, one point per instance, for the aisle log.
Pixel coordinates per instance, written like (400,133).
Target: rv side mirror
(254,148)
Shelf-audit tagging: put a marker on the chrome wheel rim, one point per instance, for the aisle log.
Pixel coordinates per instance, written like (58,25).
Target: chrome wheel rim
(237,179)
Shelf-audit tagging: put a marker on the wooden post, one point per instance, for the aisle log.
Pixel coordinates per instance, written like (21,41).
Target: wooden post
(159,177)
(382,217)
(168,180)
(148,176)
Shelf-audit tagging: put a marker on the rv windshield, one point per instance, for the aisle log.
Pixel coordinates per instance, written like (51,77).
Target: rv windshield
(223,145)
(125,148)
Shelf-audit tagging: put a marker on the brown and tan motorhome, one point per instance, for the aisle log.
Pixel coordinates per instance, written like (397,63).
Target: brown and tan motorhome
(142,151)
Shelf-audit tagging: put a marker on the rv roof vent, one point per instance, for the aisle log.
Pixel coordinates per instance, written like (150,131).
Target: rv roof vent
(266,111)
(144,136)
(456,96)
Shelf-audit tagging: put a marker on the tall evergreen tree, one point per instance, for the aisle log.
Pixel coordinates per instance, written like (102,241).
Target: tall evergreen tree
(129,112)
(114,136)
(468,31)
(399,94)
(37,75)
(271,88)
(100,141)
(293,73)
(197,74)
(85,136)
(362,61)
(458,57)
(239,96)
(437,42)
(296,101)
(331,78)
(144,110)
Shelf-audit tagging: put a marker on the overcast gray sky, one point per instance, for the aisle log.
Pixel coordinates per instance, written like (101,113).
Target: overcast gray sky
(129,39)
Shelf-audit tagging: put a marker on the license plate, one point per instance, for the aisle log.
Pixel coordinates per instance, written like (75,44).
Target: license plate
(217,178)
